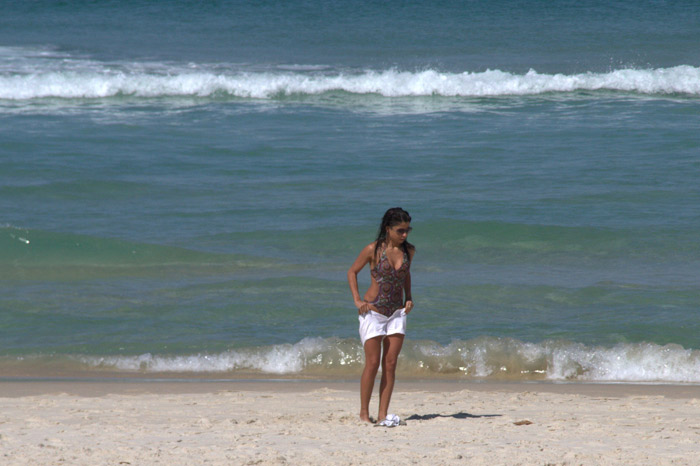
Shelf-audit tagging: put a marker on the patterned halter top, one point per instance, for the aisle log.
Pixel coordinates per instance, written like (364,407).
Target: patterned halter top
(391,284)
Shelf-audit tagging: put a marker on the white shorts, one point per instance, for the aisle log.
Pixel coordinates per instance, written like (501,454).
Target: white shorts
(374,324)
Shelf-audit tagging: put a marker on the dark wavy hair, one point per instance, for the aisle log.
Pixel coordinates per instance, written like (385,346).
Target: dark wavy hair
(392,217)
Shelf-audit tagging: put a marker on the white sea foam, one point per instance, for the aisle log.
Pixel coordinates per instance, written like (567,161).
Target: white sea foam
(479,358)
(643,362)
(89,80)
(634,362)
(279,359)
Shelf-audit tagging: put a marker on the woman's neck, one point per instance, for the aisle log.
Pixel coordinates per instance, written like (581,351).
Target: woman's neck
(388,244)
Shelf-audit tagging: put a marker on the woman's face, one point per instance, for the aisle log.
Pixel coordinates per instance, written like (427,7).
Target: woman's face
(398,233)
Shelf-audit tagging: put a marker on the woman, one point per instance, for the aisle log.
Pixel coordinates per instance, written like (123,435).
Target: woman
(384,307)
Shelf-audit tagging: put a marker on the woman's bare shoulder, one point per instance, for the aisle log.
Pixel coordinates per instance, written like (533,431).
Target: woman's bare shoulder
(411,251)
(369,249)
(366,256)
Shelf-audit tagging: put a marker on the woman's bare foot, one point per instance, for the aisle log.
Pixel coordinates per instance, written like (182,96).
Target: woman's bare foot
(366,417)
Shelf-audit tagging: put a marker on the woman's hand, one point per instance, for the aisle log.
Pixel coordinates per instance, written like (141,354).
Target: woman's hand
(363,307)
(409,306)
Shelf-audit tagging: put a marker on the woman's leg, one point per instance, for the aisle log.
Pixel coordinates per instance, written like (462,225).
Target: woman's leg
(392,348)
(373,349)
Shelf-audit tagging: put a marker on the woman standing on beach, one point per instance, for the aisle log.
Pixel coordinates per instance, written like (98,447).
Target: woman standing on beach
(384,307)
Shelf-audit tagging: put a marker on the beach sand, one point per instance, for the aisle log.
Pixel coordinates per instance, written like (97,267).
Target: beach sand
(302,422)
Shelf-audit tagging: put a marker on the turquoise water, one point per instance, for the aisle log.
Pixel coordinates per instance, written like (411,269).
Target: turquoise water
(184,186)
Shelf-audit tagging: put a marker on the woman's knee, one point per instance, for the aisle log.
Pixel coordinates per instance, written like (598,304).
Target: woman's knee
(372,363)
(391,356)
(389,363)
(373,354)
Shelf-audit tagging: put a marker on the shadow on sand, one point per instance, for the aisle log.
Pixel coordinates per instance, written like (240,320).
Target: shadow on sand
(462,415)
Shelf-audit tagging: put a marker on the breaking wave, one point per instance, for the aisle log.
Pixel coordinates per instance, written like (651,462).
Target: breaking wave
(29,75)
(482,358)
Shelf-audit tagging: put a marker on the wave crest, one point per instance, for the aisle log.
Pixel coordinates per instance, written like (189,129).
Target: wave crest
(482,358)
(135,81)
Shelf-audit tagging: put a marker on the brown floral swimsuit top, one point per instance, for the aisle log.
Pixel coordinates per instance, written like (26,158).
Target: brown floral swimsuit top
(391,283)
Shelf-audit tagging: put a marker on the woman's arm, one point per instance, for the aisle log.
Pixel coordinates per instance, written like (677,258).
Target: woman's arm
(363,259)
(407,285)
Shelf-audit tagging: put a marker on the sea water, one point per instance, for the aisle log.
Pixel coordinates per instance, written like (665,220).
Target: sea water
(183,186)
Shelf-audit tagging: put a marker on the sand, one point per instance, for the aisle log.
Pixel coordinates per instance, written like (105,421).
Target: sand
(185,423)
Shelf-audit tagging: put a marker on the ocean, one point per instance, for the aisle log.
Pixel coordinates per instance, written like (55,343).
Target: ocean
(183,186)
